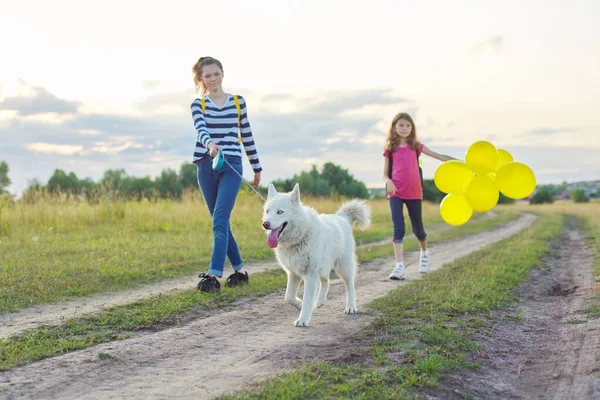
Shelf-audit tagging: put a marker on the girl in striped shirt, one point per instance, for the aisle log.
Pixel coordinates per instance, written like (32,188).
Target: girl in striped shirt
(219,118)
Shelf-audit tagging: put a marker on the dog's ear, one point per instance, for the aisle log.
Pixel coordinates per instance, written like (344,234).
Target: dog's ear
(272,190)
(295,195)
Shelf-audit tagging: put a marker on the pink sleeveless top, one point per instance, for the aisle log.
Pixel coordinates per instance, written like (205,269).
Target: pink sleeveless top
(405,173)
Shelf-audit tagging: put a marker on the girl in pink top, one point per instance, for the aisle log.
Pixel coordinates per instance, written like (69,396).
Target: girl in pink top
(403,184)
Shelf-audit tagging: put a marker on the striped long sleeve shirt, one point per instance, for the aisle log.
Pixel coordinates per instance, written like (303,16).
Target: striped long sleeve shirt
(220,126)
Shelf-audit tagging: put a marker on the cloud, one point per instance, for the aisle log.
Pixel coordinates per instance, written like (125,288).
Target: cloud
(88,132)
(337,102)
(58,149)
(116,145)
(549,131)
(493,43)
(37,100)
(150,84)
(167,103)
(275,97)
(149,141)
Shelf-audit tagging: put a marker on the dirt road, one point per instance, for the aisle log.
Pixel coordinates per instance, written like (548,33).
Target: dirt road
(547,347)
(231,347)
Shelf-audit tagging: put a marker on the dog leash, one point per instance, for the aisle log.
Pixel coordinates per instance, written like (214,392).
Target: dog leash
(217,164)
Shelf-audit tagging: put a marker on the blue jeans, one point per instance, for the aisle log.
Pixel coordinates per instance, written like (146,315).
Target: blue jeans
(220,189)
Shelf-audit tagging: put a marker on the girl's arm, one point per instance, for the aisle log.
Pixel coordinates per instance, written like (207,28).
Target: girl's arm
(441,157)
(389,185)
(248,138)
(200,124)
(386,168)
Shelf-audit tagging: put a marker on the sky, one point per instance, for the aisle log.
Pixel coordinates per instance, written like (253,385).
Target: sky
(86,87)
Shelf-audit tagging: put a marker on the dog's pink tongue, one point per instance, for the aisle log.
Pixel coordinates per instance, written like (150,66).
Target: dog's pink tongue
(272,239)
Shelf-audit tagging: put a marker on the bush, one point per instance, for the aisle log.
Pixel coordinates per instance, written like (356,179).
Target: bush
(579,196)
(542,195)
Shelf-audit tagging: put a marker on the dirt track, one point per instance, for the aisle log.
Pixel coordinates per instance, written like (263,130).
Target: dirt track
(248,342)
(57,313)
(552,353)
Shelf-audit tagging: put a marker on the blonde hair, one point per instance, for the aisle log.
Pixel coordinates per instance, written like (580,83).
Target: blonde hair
(392,139)
(197,71)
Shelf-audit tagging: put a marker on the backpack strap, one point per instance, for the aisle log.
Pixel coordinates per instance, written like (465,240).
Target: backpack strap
(419,165)
(239,111)
(390,164)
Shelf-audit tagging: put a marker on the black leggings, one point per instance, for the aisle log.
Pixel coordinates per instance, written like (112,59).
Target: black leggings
(416,218)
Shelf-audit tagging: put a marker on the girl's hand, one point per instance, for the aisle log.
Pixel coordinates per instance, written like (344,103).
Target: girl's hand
(390,187)
(256,180)
(213,149)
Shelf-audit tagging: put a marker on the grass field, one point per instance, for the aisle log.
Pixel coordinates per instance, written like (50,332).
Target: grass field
(432,322)
(168,310)
(53,250)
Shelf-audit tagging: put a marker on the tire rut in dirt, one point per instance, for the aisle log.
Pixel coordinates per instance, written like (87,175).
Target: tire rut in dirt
(551,353)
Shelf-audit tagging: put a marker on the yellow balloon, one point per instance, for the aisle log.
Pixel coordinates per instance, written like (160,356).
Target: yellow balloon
(482,193)
(504,157)
(515,180)
(482,157)
(455,209)
(452,176)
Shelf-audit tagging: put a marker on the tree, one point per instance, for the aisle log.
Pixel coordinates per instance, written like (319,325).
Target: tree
(579,196)
(283,185)
(505,200)
(188,175)
(4,179)
(354,188)
(113,178)
(168,184)
(332,179)
(133,188)
(61,182)
(542,195)
(431,192)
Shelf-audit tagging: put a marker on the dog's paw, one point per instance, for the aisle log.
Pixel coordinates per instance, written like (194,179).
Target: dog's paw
(351,310)
(301,323)
(296,303)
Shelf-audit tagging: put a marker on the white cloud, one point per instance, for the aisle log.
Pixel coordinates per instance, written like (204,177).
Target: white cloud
(333,140)
(32,100)
(50,148)
(493,43)
(88,132)
(115,145)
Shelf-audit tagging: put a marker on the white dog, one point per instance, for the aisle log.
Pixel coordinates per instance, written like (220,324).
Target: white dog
(308,245)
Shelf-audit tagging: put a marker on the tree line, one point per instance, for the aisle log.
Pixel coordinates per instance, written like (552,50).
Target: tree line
(330,180)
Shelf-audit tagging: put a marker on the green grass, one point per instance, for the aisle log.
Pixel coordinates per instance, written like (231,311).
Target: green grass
(53,251)
(424,329)
(167,310)
(476,225)
(121,322)
(592,230)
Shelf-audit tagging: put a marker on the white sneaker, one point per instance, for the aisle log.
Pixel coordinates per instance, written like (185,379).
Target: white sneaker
(398,272)
(424,262)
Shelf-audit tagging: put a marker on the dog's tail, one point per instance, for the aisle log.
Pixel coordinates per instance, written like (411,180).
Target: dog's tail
(356,210)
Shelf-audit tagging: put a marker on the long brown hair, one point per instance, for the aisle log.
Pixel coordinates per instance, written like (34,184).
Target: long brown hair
(197,71)
(392,139)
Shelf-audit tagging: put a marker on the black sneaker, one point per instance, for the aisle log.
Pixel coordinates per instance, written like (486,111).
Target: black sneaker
(208,283)
(237,279)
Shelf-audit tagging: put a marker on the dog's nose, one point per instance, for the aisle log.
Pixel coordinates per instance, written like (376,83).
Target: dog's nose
(266,225)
